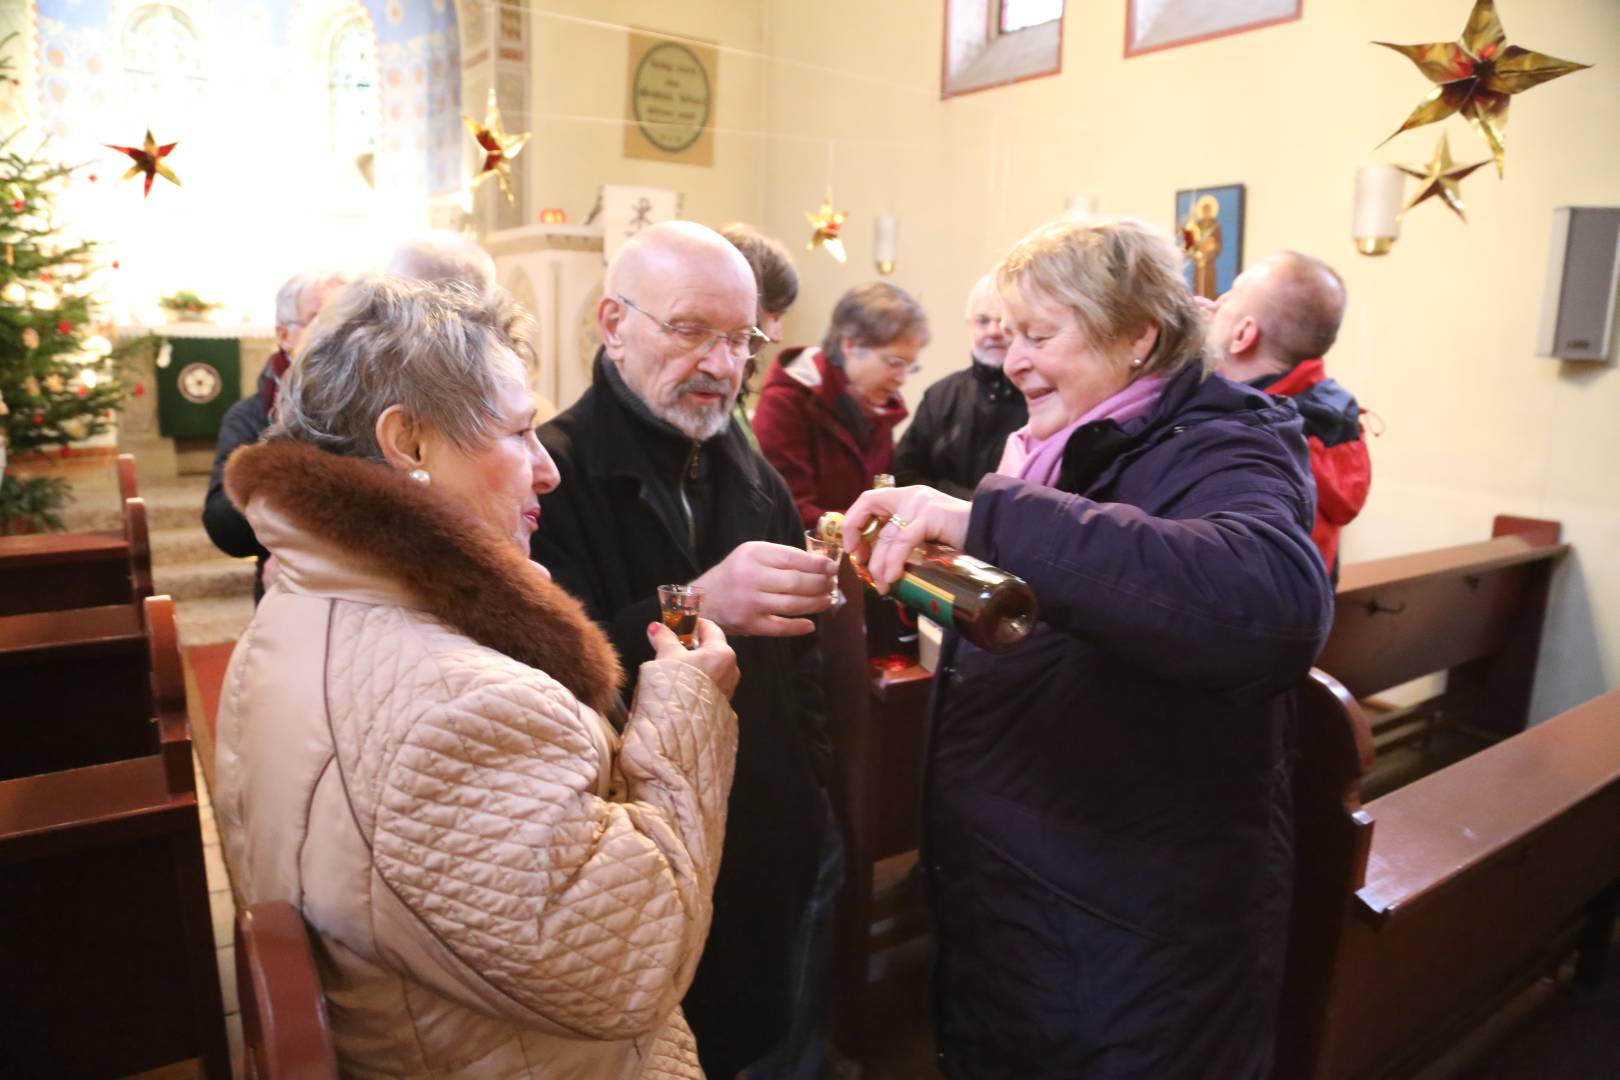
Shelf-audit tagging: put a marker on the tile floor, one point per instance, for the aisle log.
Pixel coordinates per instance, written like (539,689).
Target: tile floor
(223,906)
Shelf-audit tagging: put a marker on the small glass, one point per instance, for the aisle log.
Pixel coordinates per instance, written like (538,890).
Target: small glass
(679,607)
(832,550)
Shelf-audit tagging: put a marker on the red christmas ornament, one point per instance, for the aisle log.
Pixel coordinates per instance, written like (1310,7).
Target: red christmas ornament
(64,327)
(115,264)
(45,275)
(19,205)
(39,419)
(92,178)
(140,390)
(82,390)
(67,451)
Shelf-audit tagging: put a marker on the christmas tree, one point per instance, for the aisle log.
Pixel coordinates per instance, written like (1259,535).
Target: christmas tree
(59,381)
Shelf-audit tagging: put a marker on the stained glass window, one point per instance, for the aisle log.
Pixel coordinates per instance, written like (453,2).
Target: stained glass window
(163,66)
(353,99)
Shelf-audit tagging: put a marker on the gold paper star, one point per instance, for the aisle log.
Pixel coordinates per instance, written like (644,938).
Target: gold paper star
(499,148)
(1441,178)
(148,159)
(1478,74)
(827,222)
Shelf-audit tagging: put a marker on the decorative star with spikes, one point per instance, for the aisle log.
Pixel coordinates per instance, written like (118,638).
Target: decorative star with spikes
(498,147)
(1441,178)
(827,224)
(148,160)
(1478,74)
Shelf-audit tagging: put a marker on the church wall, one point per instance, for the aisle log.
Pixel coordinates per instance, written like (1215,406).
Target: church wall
(579,75)
(1439,341)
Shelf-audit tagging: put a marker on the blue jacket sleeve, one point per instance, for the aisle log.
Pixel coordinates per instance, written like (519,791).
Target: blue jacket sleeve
(1224,590)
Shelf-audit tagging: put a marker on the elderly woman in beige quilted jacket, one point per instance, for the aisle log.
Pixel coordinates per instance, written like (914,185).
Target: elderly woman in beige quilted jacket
(413,746)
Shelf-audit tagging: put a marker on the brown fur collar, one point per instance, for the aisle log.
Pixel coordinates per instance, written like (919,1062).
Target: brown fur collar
(459,570)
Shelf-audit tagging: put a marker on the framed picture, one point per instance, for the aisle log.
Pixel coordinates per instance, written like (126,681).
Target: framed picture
(670,99)
(1209,221)
(1151,25)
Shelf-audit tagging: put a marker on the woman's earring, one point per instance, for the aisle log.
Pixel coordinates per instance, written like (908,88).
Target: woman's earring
(1138,361)
(421,476)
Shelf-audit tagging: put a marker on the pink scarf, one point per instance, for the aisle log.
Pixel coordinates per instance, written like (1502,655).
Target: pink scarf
(1038,460)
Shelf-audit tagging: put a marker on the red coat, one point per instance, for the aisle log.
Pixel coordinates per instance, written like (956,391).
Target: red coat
(805,423)
(1339,459)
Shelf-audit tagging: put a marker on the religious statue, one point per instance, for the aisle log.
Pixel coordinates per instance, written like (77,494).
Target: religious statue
(1201,238)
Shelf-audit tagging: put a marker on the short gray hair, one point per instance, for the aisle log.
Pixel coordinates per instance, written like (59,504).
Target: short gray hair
(442,257)
(386,341)
(1303,301)
(291,293)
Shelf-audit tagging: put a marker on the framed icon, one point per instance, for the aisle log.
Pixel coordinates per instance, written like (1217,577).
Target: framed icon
(1209,221)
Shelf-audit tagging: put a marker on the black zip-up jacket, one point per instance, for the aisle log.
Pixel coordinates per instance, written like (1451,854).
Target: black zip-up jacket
(635,495)
(960,430)
(242,425)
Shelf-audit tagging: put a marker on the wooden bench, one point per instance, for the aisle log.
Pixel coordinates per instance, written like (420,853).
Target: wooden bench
(285,1030)
(1421,913)
(876,721)
(53,571)
(104,919)
(1474,611)
(78,687)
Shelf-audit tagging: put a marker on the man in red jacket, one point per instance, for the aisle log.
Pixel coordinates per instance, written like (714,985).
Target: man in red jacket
(1271,330)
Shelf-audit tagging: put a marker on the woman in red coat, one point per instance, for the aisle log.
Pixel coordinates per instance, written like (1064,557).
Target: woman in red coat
(826,415)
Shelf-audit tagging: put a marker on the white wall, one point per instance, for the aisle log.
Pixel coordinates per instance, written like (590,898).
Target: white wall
(1440,338)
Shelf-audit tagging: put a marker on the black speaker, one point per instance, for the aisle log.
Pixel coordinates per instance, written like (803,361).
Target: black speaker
(1583,277)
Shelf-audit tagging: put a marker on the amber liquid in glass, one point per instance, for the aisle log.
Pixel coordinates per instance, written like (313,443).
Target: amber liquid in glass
(683,623)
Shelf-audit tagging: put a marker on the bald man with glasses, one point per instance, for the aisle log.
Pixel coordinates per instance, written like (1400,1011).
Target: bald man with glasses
(660,486)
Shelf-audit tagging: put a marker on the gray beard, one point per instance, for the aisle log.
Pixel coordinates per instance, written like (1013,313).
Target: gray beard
(697,422)
(977,359)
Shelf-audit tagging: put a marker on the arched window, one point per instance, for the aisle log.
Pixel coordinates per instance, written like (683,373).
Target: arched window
(353,98)
(164,71)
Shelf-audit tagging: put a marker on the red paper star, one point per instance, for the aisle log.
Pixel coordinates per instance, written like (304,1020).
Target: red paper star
(148,160)
(497,146)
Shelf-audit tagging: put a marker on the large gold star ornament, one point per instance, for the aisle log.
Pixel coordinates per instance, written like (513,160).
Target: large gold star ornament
(498,147)
(1478,74)
(1441,178)
(148,159)
(827,223)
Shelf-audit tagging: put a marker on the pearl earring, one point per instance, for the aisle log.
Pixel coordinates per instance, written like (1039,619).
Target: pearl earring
(1138,361)
(421,476)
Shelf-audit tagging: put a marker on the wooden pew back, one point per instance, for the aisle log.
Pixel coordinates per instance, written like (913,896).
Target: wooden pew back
(1474,610)
(1423,911)
(285,1029)
(55,571)
(104,918)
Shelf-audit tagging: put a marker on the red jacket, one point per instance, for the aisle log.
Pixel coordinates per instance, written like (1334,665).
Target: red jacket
(1339,460)
(806,425)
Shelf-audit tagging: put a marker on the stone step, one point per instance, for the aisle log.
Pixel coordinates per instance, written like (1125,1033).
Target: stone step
(209,619)
(214,577)
(183,545)
(172,505)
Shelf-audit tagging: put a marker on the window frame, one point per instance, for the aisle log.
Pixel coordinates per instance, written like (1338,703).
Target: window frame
(994,41)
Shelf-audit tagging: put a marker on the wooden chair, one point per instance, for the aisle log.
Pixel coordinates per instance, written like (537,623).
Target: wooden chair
(1425,910)
(110,966)
(285,1029)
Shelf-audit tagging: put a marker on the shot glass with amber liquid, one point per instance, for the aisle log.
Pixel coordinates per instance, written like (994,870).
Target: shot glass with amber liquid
(679,607)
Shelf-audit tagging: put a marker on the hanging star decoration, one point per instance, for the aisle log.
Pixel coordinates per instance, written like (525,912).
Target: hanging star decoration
(1478,74)
(498,147)
(1441,178)
(148,160)
(827,224)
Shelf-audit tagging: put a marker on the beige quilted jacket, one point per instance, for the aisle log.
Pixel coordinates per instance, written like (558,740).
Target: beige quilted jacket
(496,883)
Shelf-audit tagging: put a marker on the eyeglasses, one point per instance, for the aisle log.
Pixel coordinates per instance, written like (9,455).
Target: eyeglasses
(693,339)
(894,363)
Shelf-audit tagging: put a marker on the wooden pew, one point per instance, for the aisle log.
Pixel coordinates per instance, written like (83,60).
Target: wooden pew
(876,721)
(1419,914)
(285,1030)
(104,920)
(1474,611)
(53,571)
(78,687)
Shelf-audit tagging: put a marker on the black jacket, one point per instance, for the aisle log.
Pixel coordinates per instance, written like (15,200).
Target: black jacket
(611,533)
(1109,840)
(244,422)
(960,430)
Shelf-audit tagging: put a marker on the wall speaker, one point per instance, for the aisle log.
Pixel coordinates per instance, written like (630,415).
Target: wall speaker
(1583,277)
